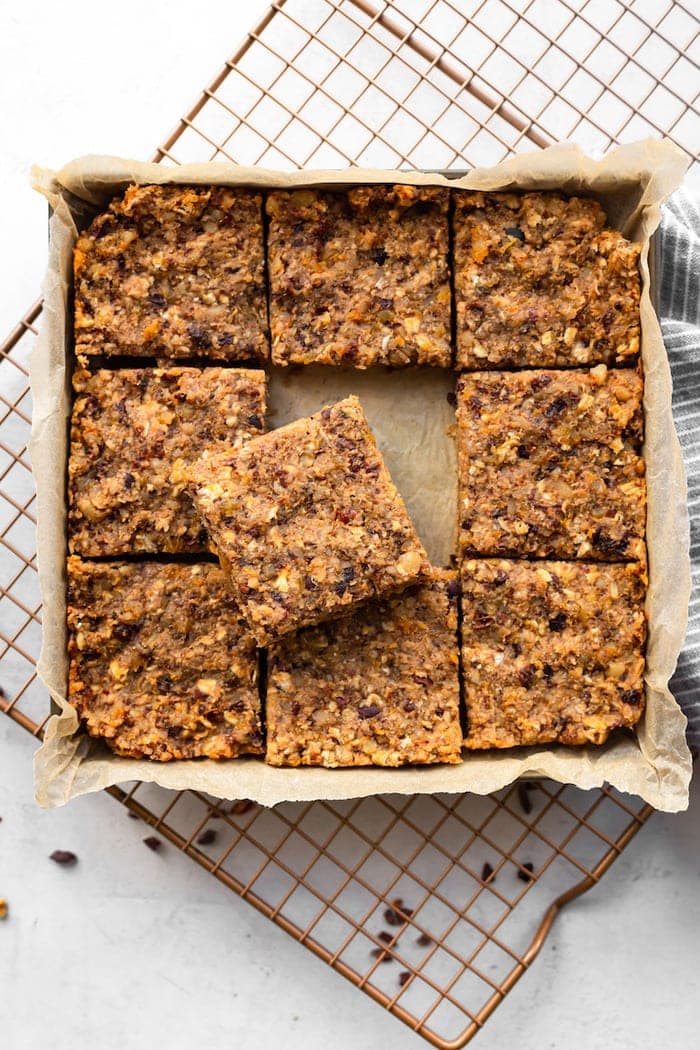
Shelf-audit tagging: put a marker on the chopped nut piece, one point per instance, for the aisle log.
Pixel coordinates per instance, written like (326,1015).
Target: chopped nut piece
(173,271)
(540,281)
(547,686)
(144,638)
(359,277)
(550,464)
(313,503)
(133,433)
(401,651)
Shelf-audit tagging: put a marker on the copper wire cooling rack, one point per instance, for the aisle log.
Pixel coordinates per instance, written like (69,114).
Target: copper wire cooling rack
(434,906)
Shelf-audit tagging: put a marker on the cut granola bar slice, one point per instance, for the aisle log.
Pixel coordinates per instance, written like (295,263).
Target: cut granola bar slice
(308,521)
(161,665)
(551,651)
(171,272)
(377,687)
(132,433)
(550,464)
(359,277)
(541,280)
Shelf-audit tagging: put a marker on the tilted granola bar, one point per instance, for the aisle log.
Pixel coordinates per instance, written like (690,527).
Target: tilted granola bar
(133,431)
(308,521)
(540,280)
(161,665)
(172,272)
(551,651)
(377,687)
(359,277)
(550,463)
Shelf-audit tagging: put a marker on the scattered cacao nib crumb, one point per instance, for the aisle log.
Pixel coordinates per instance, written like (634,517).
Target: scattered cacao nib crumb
(525,871)
(132,815)
(451,398)
(244,805)
(424,940)
(63,856)
(487,872)
(3,908)
(403,977)
(207,837)
(524,796)
(385,936)
(369,711)
(391,918)
(381,954)
(153,843)
(2,693)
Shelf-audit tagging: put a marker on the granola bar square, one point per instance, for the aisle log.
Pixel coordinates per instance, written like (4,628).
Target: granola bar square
(173,272)
(551,651)
(377,687)
(541,280)
(550,464)
(308,521)
(133,431)
(160,664)
(360,277)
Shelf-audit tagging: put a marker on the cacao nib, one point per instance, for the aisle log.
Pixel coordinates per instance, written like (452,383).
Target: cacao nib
(632,696)
(555,408)
(404,976)
(525,871)
(153,843)
(487,872)
(63,857)
(451,398)
(424,940)
(207,837)
(558,622)
(369,711)
(515,231)
(547,670)
(524,797)
(379,256)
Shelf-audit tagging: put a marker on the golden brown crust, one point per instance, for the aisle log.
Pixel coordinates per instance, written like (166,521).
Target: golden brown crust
(359,277)
(133,432)
(173,272)
(308,521)
(551,651)
(377,687)
(161,665)
(550,464)
(540,281)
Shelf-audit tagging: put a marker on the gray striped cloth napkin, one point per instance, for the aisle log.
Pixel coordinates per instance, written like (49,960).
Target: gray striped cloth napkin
(679,309)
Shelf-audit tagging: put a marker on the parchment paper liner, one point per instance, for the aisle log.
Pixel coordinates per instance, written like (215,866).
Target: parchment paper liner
(631,182)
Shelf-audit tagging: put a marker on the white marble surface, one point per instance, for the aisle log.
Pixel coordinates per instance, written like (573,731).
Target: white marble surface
(132,949)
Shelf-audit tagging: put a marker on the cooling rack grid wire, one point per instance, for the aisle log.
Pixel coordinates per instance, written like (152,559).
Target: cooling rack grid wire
(434,906)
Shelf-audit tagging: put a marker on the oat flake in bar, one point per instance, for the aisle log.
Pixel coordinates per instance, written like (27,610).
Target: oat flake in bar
(551,651)
(173,272)
(307,521)
(161,665)
(550,464)
(377,687)
(541,281)
(133,432)
(359,277)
